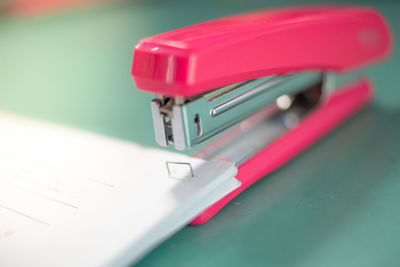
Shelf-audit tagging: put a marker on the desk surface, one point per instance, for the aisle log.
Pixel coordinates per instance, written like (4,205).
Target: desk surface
(335,205)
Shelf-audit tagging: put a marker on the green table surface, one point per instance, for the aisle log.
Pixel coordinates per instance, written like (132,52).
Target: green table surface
(335,205)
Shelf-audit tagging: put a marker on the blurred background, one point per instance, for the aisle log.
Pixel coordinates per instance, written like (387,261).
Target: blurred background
(68,62)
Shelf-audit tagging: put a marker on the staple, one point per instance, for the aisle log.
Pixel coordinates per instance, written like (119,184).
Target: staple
(170,173)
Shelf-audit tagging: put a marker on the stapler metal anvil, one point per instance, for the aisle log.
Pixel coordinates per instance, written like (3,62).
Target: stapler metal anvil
(265,85)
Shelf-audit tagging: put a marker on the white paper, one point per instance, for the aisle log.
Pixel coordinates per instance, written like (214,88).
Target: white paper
(69,198)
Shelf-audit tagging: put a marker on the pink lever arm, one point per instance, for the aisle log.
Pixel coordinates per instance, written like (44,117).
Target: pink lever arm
(198,58)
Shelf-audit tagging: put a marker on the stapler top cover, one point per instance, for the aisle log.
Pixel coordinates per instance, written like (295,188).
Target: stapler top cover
(195,59)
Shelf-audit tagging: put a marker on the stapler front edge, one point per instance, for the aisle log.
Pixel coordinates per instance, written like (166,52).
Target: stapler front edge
(266,85)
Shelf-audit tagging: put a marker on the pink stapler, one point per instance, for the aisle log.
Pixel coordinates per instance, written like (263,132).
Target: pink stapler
(264,85)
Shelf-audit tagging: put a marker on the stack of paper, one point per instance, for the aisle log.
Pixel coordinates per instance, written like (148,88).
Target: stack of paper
(69,198)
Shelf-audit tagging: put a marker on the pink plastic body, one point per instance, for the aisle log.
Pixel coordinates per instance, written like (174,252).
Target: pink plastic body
(198,58)
(338,107)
